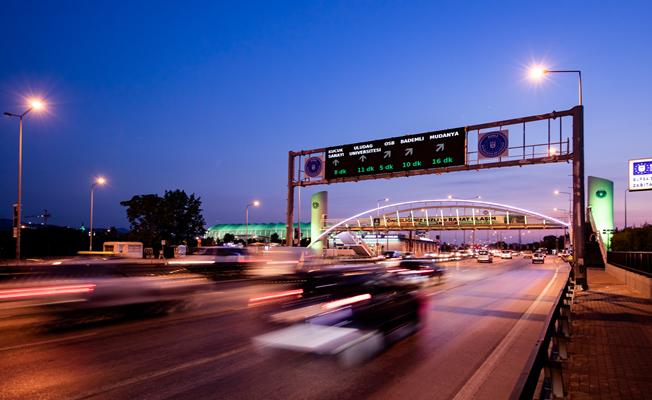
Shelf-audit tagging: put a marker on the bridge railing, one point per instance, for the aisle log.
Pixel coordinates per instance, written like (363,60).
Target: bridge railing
(635,261)
(550,352)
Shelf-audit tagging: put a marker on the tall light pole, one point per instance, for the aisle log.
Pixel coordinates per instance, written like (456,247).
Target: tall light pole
(378,216)
(578,206)
(34,105)
(101,181)
(254,203)
(569,211)
(451,197)
(626,190)
(570,222)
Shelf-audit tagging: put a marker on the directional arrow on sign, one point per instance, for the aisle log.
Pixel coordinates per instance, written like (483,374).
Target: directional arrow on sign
(335,162)
(440,147)
(388,154)
(409,151)
(363,157)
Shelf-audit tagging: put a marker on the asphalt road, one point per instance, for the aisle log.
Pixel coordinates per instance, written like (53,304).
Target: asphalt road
(479,331)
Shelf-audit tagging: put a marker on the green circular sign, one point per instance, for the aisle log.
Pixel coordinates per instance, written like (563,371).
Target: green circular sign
(315,204)
(601,193)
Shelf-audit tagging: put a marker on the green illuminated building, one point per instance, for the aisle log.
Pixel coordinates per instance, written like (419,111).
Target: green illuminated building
(255,230)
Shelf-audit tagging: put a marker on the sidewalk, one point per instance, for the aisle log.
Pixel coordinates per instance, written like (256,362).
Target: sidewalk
(611,346)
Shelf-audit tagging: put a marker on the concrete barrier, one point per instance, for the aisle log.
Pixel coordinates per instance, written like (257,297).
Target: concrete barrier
(634,281)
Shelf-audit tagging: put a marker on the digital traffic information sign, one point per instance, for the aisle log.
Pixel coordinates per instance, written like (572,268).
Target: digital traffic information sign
(426,150)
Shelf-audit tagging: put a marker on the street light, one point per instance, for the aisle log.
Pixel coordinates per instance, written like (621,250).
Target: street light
(254,203)
(33,105)
(570,224)
(569,212)
(538,72)
(451,197)
(101,181)
(378,216)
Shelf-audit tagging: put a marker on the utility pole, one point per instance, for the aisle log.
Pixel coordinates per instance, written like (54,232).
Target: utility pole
(579,217)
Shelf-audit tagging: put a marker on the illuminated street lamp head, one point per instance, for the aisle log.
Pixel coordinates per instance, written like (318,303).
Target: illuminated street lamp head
(256,203)
(557,192)
(36,104)
(537,72)
(100,180)
(450,196)
(555,209)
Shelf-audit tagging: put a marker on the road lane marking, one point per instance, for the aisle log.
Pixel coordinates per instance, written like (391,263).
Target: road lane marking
(161,373)
(472,385)
(44,342)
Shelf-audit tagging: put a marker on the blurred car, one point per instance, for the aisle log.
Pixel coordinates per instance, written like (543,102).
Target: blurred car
(527,254)
(216,260)
(392,254)
(485,256)
(351,315)
(538,257)
(73,291)
(506,254)
(408,254)
(418,271)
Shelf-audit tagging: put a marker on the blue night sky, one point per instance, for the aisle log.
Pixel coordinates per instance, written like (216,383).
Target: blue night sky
(210,96)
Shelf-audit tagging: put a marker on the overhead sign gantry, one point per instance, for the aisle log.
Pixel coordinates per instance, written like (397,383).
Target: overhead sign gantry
(522,141)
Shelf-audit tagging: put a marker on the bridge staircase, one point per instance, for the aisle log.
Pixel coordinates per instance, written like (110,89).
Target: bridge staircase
(352,241)
(596,251)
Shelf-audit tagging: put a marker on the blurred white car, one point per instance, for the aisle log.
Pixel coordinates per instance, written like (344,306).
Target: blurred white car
(506,254)
(538,258)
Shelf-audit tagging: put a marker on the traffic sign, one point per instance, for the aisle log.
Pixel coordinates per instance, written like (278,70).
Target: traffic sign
(493,144)
(438,149)
(640,174)
(314,167)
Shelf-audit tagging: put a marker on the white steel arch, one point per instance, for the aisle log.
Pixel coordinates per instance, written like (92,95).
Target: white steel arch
(453,202)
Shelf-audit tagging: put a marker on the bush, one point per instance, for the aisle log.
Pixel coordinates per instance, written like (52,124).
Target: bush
(633,239)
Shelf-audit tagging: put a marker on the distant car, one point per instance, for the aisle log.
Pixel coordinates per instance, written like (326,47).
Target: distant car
(506,254)
(538,258)
(527,254)
(484,256)
(408,254)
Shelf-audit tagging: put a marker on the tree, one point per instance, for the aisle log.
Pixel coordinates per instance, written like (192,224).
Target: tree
(175,217)
(228,238)
(274,238)
(633,239)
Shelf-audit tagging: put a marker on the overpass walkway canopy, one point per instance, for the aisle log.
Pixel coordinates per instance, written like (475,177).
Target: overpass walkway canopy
(441,214)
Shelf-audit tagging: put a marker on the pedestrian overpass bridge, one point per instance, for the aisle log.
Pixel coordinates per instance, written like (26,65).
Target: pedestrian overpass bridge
(441,215)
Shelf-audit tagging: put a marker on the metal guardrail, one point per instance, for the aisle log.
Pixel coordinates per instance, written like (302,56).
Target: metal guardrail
(551,350)
(639,262)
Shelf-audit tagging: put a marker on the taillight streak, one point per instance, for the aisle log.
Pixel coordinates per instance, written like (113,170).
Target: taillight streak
(275,296)
(45,291)
(346,301)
